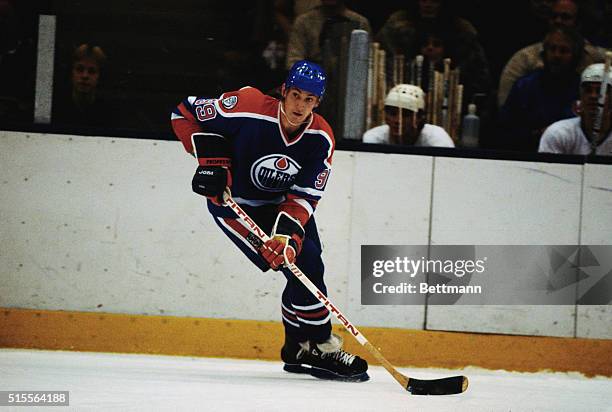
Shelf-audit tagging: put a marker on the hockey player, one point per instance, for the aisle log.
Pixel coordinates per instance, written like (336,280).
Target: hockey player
(405,121)
(575,135)
(275,156)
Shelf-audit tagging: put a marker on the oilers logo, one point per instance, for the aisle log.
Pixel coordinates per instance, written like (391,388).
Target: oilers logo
(274,173)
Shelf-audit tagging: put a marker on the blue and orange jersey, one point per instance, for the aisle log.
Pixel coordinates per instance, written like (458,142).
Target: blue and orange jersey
(267,166)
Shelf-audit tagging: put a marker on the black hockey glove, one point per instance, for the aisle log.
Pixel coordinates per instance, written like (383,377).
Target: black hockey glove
(213,174)
(211,181)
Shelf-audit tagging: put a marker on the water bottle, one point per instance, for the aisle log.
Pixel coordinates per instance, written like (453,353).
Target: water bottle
(470,127)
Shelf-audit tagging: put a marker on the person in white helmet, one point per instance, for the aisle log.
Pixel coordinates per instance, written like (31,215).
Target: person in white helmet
(575,135)
(405,121)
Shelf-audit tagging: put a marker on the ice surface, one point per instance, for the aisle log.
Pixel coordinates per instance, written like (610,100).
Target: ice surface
(102,381)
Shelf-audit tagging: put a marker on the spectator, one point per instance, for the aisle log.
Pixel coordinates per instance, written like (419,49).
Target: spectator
(435,44)
(318,35)
(404,32)
(273,23)
(312,28)
(84,106)
(528,59)
(302,6)
(575,136)
(405,121)
(545,95)
(399,33)
(285,11)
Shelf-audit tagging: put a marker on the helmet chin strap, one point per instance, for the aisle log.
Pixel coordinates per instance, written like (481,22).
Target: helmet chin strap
(287,117)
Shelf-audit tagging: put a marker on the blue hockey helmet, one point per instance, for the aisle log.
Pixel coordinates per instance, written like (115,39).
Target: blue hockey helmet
(307,76)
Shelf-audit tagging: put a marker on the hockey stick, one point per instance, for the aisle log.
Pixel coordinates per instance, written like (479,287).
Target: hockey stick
(601,101)
(445,386)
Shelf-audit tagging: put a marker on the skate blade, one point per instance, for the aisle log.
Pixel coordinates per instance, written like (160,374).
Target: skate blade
(295,368)
(328,375)
(325,374)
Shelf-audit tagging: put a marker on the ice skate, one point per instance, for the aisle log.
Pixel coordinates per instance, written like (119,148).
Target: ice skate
(325,360)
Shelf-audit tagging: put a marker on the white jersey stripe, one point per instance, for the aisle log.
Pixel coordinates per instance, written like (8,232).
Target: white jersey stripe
(311,307)
(308,190)
(288,310)
(305,204)
(290,322)
(315,322)
(275,201)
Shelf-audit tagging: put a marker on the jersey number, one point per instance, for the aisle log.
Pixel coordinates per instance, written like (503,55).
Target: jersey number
(321,179)
(205,112)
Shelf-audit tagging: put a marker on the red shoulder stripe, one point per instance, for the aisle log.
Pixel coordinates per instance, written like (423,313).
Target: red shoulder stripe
(247,100)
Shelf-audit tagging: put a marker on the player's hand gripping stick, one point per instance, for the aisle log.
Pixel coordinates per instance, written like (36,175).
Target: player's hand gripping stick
(285,243)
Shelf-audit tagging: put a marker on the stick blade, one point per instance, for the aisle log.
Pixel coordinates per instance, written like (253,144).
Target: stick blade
(445,386)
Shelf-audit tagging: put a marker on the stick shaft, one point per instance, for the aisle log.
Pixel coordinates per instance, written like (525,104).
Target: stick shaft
(430,92)
(370,96)
(601,101)
(395,69)
(419,70)
(445,94)
(401,62)
(452,102)
(352,329)
(382,85)
(375,84)
(459,109)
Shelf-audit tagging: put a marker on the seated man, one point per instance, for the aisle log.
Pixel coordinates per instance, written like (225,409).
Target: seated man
(528,59)
(544,96)
(405,121)
(311,29)
(576,135)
